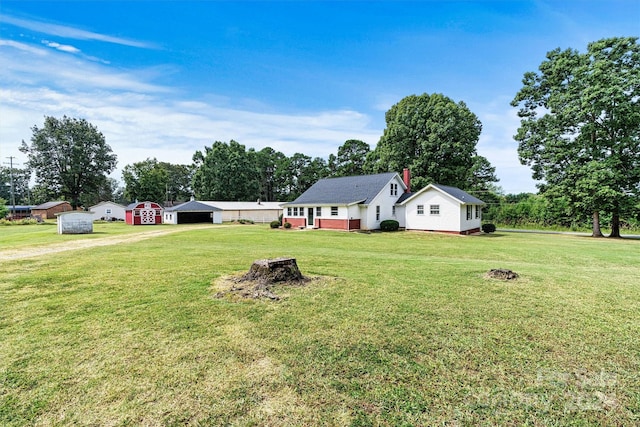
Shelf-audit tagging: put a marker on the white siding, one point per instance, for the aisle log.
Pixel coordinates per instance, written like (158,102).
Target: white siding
(473,222)
(353,212)
(100,211)
(170,218)
(400,216)
(447,220)
(386,201)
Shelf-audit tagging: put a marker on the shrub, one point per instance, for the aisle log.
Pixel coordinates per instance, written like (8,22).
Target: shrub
(488,228)
(23,221)
(389,225)
(287,225)
(274,224)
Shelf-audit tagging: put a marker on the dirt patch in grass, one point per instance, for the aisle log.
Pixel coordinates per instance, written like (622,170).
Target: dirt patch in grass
(238,287)
(501,274)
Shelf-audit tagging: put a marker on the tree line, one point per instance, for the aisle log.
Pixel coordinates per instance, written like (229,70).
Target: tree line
(579,133)
(431,134)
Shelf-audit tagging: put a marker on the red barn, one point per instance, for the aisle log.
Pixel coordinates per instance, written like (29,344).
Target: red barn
(143,213)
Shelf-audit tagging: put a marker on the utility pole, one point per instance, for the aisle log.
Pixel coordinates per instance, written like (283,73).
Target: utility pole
(13,196)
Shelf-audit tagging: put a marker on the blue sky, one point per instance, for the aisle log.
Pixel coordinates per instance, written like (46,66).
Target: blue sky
(166,78)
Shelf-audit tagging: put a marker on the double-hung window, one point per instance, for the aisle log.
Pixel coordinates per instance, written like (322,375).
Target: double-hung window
(469,212)
(434,209)
(334,211)
(318,211)
(378,213)
(420,210)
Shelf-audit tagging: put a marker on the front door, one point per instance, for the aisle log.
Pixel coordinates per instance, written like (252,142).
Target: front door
(310,217)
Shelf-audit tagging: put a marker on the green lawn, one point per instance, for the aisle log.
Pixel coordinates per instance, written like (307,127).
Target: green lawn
(403,329)
(19,236)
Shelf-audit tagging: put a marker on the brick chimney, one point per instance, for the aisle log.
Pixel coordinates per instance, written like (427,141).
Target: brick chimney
(407,179)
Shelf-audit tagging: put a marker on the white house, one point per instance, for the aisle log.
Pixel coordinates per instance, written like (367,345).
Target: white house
(362,202)
(347,203)
(108,211)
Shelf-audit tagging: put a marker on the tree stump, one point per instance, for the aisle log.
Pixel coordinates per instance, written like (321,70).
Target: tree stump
(274,270)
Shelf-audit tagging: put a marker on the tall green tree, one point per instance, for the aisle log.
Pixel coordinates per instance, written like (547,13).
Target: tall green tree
(145,180)
(433,136)
(580,127)
(21,190)
(351,158)
(271,168)
(109,191)
(302,172)
(69,156)
(157,181)
(4,210)
(225,172)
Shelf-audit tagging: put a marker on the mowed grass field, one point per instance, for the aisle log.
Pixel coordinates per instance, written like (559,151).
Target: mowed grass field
(400,329)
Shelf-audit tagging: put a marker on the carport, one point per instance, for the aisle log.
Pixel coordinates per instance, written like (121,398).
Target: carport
(191,213)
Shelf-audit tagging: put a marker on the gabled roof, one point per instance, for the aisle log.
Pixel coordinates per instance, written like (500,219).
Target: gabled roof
(107,202)
(345,190)
(461,196)
(192,206)
(49,205)
(132,206)
(404,197)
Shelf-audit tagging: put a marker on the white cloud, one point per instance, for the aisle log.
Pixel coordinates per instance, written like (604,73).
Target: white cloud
(500,123)
(61,47)
(40,67)
(143,120)
(70,32)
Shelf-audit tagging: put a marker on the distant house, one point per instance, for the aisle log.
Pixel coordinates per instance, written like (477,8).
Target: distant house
(18,211)
(50,209)
(192,212)
(363,202)
(143,213)
(108,211)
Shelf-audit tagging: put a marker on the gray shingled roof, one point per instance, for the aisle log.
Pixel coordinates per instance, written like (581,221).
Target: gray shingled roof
(454,192)
(345,190)
(49,205)
(192,206)
(460,195)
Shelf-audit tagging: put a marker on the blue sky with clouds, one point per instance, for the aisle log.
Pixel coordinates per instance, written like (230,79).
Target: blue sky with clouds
(166,78)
